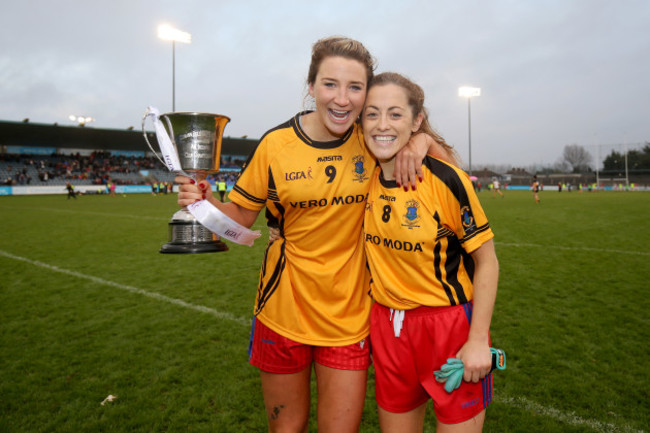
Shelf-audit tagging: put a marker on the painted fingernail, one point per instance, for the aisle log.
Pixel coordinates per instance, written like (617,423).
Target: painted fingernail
(413,187)
(420,177)
(192,181)
(406,188)
(203,196)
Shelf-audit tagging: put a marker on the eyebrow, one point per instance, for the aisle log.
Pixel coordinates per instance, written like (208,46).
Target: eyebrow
(394,107)
(360,83)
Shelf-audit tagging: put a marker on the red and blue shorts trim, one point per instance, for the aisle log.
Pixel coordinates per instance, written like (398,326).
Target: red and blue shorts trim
(274,353)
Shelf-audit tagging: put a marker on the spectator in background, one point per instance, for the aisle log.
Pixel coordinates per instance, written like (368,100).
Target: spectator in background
(221,187)
(71,191)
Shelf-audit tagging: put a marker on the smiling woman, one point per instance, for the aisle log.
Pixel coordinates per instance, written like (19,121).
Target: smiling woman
(339,91)
(388,124)
(394,111)
(434,274)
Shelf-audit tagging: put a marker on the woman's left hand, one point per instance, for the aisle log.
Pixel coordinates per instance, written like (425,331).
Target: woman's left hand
(408,162)
(477,360)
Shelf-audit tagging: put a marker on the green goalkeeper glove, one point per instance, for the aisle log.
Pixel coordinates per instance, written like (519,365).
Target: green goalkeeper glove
(451,373)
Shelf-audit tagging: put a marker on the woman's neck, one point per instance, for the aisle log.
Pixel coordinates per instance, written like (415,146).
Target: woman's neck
(388,168)
(314,129)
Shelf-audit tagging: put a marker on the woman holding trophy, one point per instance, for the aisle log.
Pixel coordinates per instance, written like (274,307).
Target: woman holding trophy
(312,174)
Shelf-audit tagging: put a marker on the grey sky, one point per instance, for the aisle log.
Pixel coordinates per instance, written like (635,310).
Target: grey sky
(552,72)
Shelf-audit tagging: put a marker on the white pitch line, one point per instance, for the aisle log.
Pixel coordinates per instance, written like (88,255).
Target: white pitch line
(119,215)
(85,212)
(568,418)
(560,247)
(153,295)
(520,402)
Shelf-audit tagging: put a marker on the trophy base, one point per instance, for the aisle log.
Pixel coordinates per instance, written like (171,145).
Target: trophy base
(211,247)
(188,236)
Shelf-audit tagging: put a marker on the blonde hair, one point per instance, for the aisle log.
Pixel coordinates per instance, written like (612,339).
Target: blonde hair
(339,46)
(415,97)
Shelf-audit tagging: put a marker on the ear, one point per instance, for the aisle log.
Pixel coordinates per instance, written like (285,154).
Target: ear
(417,122)
(311,90)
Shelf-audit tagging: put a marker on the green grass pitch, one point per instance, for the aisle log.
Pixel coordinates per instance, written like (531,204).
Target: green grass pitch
(89,308)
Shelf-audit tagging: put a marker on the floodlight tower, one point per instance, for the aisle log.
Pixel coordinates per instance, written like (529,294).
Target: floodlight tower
(168,33)
(469,93)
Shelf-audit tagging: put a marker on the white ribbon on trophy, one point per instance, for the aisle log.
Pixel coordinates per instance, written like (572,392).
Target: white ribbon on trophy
(221,224)
(169,153)
(204,211)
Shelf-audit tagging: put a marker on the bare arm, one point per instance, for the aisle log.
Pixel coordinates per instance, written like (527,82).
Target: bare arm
(190,192)
(475,353)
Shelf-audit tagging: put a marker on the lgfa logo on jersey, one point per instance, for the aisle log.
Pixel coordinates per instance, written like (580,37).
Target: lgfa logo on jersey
(359,169)
(467,219)
(411,217)
(297,175)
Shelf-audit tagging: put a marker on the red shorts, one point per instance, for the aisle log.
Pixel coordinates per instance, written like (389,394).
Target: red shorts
(404,365)
(273,353)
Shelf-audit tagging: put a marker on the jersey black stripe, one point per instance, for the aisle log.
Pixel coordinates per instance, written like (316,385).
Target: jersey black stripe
(449,177)
(468,262)
(452,180)
(437,259)
(272,192)
(248,196)
(280,222)
(452,265)
(476,232)
(265,291)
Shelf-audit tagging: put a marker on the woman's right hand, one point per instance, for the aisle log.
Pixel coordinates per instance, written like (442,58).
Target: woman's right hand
(188,191)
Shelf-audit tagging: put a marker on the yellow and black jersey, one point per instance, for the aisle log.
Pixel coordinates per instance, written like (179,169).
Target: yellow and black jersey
(314,282)
(419,242)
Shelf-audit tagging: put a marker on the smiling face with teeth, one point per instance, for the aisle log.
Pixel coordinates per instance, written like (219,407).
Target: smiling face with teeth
(388,123)
(339,91)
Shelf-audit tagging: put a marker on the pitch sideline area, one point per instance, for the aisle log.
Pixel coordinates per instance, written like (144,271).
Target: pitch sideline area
(519,402)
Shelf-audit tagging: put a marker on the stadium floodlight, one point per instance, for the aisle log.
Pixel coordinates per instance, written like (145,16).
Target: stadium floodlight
(169,33)
(81,120)
(469,92)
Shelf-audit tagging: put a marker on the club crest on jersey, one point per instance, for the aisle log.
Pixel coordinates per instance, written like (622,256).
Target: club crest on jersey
(467,219)
(359,169)
(411,217)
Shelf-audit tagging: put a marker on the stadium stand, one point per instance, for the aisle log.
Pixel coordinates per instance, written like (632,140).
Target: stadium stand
(38,154)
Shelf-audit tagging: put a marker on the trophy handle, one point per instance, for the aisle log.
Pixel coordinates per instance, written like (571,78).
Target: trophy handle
(221,125)
(144,118)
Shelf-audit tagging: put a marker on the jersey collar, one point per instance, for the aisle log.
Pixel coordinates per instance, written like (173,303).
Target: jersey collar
(295,123)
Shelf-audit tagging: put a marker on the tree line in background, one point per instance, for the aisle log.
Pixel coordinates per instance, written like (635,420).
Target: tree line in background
(577,159)
(636,160)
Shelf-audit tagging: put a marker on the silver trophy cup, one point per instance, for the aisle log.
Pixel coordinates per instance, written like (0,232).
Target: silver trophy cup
(196,138)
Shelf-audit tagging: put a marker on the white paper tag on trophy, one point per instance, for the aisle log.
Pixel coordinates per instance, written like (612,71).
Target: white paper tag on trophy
(169,152)
(221,224)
